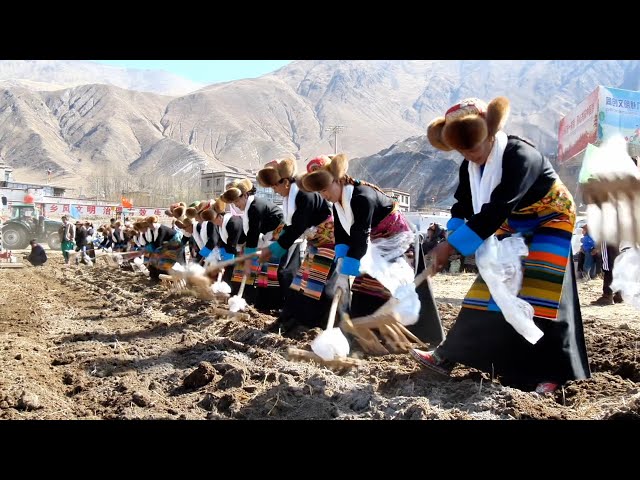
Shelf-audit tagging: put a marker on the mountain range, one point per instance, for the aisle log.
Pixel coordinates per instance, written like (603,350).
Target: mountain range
(83,120)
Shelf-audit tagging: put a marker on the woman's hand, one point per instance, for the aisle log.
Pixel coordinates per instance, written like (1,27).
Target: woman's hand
(265,255)
(440,256)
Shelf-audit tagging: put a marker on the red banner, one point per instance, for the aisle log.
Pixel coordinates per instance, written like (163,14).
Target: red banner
(578,128)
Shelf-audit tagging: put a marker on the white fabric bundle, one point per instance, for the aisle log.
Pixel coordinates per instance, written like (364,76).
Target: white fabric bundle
(330,345)
(237,303)
(221,287)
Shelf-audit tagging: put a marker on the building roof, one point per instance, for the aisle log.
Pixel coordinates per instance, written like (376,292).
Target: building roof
(14,183)
(391,189)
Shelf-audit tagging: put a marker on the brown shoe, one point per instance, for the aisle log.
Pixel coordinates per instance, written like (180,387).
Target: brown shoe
(617,298)
(603,300)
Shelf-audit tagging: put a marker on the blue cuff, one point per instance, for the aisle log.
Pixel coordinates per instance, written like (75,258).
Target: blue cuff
(341,250)
(223,251)
(204,251)
(454,223)
(465,240)
(350,266)
(249,250)
(276,251)
(224,256)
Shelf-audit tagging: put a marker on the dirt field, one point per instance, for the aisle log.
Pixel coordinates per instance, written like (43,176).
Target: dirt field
(97,343)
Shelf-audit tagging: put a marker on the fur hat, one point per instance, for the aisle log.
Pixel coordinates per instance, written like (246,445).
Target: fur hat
(275,171)
(151,220)
(204,205)
(208,215)
(468,123)
(185,224)
(232,194)
(191,212)
(139,226)
(176,210)
(219,206)
(322,176)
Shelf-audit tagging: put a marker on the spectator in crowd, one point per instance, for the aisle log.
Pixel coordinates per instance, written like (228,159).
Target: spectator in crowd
(435,235)
(609,254)
(81,241)
(68,235)
(590,253)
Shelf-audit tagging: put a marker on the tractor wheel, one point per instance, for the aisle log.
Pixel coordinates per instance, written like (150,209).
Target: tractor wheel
(54,241)
(14,237)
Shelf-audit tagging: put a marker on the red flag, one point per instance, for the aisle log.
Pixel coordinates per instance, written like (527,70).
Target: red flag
(126,203)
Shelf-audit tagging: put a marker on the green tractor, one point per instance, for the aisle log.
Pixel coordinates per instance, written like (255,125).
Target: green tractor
(24,224)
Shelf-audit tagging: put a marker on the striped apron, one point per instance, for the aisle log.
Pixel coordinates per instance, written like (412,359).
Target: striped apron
(263,276)
(167,256)
(548,224)
(312,275)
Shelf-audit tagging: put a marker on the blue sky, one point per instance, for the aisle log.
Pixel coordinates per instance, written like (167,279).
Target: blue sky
(205,71)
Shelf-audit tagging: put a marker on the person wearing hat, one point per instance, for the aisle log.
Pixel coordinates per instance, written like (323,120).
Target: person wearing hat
(184,227)
(190,223)
(206,230)
(118,242)
(105,232)
(162,245)
(308,215)
(262,221)
(232,208)
(134,237)
(230,235)
(507,187)
(371,236)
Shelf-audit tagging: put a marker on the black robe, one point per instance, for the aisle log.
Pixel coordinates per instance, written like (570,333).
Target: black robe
(527,176)
(311,210)
(264,216)
(212,236)
(235,236)
(369,207)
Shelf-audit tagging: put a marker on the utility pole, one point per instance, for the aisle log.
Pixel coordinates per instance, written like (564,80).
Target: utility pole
(335,129)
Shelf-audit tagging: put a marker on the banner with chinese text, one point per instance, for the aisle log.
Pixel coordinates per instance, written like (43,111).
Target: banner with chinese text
(620,114)
(102,210)
(578,128)
(605,112)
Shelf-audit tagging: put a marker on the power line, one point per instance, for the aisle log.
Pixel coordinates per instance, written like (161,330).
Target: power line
(335,129)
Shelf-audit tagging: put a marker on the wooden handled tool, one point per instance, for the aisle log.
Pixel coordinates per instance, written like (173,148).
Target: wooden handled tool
(233,261)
